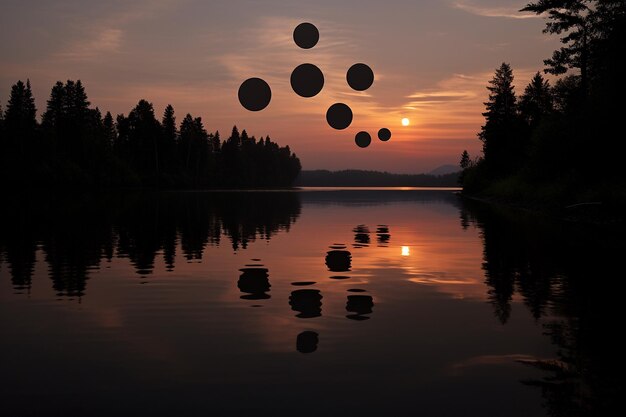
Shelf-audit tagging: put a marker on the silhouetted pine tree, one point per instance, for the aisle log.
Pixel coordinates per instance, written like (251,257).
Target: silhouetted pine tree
(144,141)
(108,126)
(465,160)
(536,102)
(20,128)
(502,144)
(170,137)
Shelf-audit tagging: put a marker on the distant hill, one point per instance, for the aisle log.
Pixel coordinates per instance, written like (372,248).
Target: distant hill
(359,178)
(445,169)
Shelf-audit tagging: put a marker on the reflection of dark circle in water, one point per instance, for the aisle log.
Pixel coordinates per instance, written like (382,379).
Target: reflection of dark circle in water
(361,228)
(255,283)
(357,317)
(361,235)
(362,238)
(308,303)
(337,246)
(382,233)
(307,342)
(338,260)
(360,305)
(339,277)
(303,283)
(356,290)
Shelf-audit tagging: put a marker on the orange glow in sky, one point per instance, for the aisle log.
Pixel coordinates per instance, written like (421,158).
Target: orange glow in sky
(165,52)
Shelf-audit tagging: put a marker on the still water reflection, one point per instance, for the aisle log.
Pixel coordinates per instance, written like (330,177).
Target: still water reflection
(397,302)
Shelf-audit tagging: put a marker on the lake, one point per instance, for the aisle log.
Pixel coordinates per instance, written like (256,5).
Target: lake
(325,302)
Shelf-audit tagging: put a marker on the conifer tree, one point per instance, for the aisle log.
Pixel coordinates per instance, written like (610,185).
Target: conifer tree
(536,102)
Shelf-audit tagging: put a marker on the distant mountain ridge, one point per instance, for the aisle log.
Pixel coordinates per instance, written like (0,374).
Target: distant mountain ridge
(445,169)
(361,178)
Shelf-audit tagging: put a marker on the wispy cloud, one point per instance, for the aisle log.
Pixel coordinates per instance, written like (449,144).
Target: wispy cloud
(492,11)
(452,108)
(100,38)
(105,41)
(273,55)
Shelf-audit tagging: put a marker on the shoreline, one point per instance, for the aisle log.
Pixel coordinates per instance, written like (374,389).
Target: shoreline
(591,213)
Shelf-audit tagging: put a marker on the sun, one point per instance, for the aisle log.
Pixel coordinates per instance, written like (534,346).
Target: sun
(405,121)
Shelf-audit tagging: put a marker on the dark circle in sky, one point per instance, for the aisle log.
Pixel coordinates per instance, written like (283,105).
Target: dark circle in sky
(255,94)
(339,116)
(384,134)
(360,77)
(307,80)
(363,139)
(306,35)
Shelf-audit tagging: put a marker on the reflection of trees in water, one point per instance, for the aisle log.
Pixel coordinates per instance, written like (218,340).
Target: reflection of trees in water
(75,232)
(564,274)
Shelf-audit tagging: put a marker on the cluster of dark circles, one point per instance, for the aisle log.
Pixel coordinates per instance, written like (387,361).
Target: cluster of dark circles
(307,81)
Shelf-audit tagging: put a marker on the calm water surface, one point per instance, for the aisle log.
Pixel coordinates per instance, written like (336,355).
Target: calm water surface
(319,302)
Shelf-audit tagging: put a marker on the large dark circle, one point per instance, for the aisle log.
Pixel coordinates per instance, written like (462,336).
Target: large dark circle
(255,94)
(360,77)
(363,139)
(339,116)
(307,80)
(384,134)
(306,35)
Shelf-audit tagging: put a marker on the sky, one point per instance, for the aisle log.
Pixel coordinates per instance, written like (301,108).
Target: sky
(432,60)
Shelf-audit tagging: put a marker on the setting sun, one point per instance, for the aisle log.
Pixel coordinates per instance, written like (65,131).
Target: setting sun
(405,121)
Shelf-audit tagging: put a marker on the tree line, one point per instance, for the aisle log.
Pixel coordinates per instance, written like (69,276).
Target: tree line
(559,143)
(75,145)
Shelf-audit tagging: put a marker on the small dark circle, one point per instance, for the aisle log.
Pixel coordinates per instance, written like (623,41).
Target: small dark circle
(307,80)
(339,116)
(255,94)
(360,77)
(384,134)
(363,139)
(306,35)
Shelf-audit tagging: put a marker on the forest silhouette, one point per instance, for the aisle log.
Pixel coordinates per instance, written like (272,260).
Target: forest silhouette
(74,145)
(558,145)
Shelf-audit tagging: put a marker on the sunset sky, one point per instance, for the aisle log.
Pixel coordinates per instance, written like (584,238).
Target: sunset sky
(432,60)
